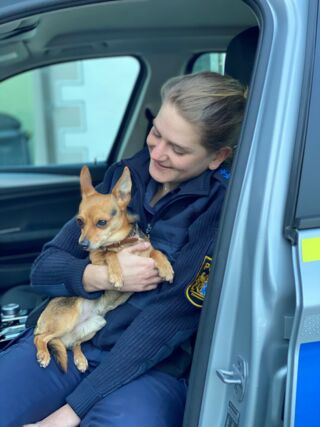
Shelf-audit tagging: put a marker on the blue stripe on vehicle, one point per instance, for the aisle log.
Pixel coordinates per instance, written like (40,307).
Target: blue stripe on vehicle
(308,386)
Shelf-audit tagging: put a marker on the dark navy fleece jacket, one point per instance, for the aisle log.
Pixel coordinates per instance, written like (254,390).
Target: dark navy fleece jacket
(151,325)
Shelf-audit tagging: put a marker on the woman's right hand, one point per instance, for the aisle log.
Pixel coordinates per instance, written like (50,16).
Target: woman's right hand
(139,273)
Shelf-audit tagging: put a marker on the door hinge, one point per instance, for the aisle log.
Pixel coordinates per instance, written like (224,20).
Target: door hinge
(237,377)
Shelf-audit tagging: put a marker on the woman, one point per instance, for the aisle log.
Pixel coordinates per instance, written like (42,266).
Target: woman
(139,361)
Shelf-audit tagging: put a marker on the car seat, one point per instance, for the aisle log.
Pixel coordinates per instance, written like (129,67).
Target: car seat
(240,55)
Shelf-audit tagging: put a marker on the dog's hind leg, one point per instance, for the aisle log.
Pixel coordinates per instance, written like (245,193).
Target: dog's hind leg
(82,333)
(43,355)
(79,358)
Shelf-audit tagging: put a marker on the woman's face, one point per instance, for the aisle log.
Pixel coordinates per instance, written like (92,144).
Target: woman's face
(176,154)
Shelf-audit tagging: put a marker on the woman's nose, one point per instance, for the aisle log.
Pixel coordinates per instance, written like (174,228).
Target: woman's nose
(158,151)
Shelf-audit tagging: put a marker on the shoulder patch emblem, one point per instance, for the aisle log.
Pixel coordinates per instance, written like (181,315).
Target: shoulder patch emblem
(225,173)
(197,290)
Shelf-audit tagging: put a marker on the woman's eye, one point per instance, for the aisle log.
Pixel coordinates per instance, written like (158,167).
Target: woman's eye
(101,223)
(177,151)
(155,132)
(80,222)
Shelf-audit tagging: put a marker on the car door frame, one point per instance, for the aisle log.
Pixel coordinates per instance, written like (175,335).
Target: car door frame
(254,262)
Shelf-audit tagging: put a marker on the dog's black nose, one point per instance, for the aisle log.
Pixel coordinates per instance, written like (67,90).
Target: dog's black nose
(85,244)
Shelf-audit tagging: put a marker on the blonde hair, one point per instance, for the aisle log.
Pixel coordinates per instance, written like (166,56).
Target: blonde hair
(213,103)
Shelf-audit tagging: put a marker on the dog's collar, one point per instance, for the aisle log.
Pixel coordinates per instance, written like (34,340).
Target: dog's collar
(133,237)
(122,242)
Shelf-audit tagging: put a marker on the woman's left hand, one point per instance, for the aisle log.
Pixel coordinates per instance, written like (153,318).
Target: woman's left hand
(65,416)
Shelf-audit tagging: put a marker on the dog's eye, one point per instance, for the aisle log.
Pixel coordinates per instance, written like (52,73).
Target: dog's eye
(80,222)
(101,223)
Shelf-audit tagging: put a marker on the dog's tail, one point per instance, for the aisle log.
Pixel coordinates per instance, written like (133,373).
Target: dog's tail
(59,352)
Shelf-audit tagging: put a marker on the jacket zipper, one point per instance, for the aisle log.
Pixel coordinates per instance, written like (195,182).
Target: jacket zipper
(148,229)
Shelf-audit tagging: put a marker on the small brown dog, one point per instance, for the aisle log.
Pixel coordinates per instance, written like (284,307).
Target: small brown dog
(106,227)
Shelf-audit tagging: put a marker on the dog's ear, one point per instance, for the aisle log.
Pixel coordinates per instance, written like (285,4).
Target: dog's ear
(122,189)
(86,182)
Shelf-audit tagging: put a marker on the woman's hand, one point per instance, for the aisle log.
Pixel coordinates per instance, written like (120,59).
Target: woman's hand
(65,416)
(139,273)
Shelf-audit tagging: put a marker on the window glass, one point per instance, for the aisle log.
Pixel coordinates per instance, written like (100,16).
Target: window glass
(212,61)
(65,113)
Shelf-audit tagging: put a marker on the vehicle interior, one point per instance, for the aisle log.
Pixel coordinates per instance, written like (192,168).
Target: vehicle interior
(163,39)
(80,84)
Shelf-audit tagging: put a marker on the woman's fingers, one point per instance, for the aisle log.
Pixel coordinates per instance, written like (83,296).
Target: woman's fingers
(152,275)
(139,273)
(138,247)
(151,287)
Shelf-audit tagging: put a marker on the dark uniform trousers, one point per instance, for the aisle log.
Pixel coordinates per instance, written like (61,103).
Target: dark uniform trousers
(155,399)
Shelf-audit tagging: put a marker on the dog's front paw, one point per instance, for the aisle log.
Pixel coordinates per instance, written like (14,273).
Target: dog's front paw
(166,272)
(115,279)
(43,358)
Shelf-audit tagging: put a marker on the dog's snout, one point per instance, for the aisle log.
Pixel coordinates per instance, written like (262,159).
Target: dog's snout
(85,244)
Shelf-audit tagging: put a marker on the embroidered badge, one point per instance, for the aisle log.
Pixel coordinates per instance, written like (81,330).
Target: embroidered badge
(197,290)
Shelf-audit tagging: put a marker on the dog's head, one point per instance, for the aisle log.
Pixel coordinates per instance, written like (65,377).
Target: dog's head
(103,218)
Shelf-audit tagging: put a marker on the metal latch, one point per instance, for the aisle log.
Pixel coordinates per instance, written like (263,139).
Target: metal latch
(237,377)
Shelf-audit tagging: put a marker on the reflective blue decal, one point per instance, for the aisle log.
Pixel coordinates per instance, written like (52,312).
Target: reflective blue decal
(307,412)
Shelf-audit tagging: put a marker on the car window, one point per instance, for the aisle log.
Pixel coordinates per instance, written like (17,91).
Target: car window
(212,61)
(66,113)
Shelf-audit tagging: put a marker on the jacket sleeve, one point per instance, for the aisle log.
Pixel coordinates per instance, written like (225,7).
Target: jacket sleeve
(153,335)
(58,270)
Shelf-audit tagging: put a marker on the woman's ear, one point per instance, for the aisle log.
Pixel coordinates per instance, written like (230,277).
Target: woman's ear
(219,157)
